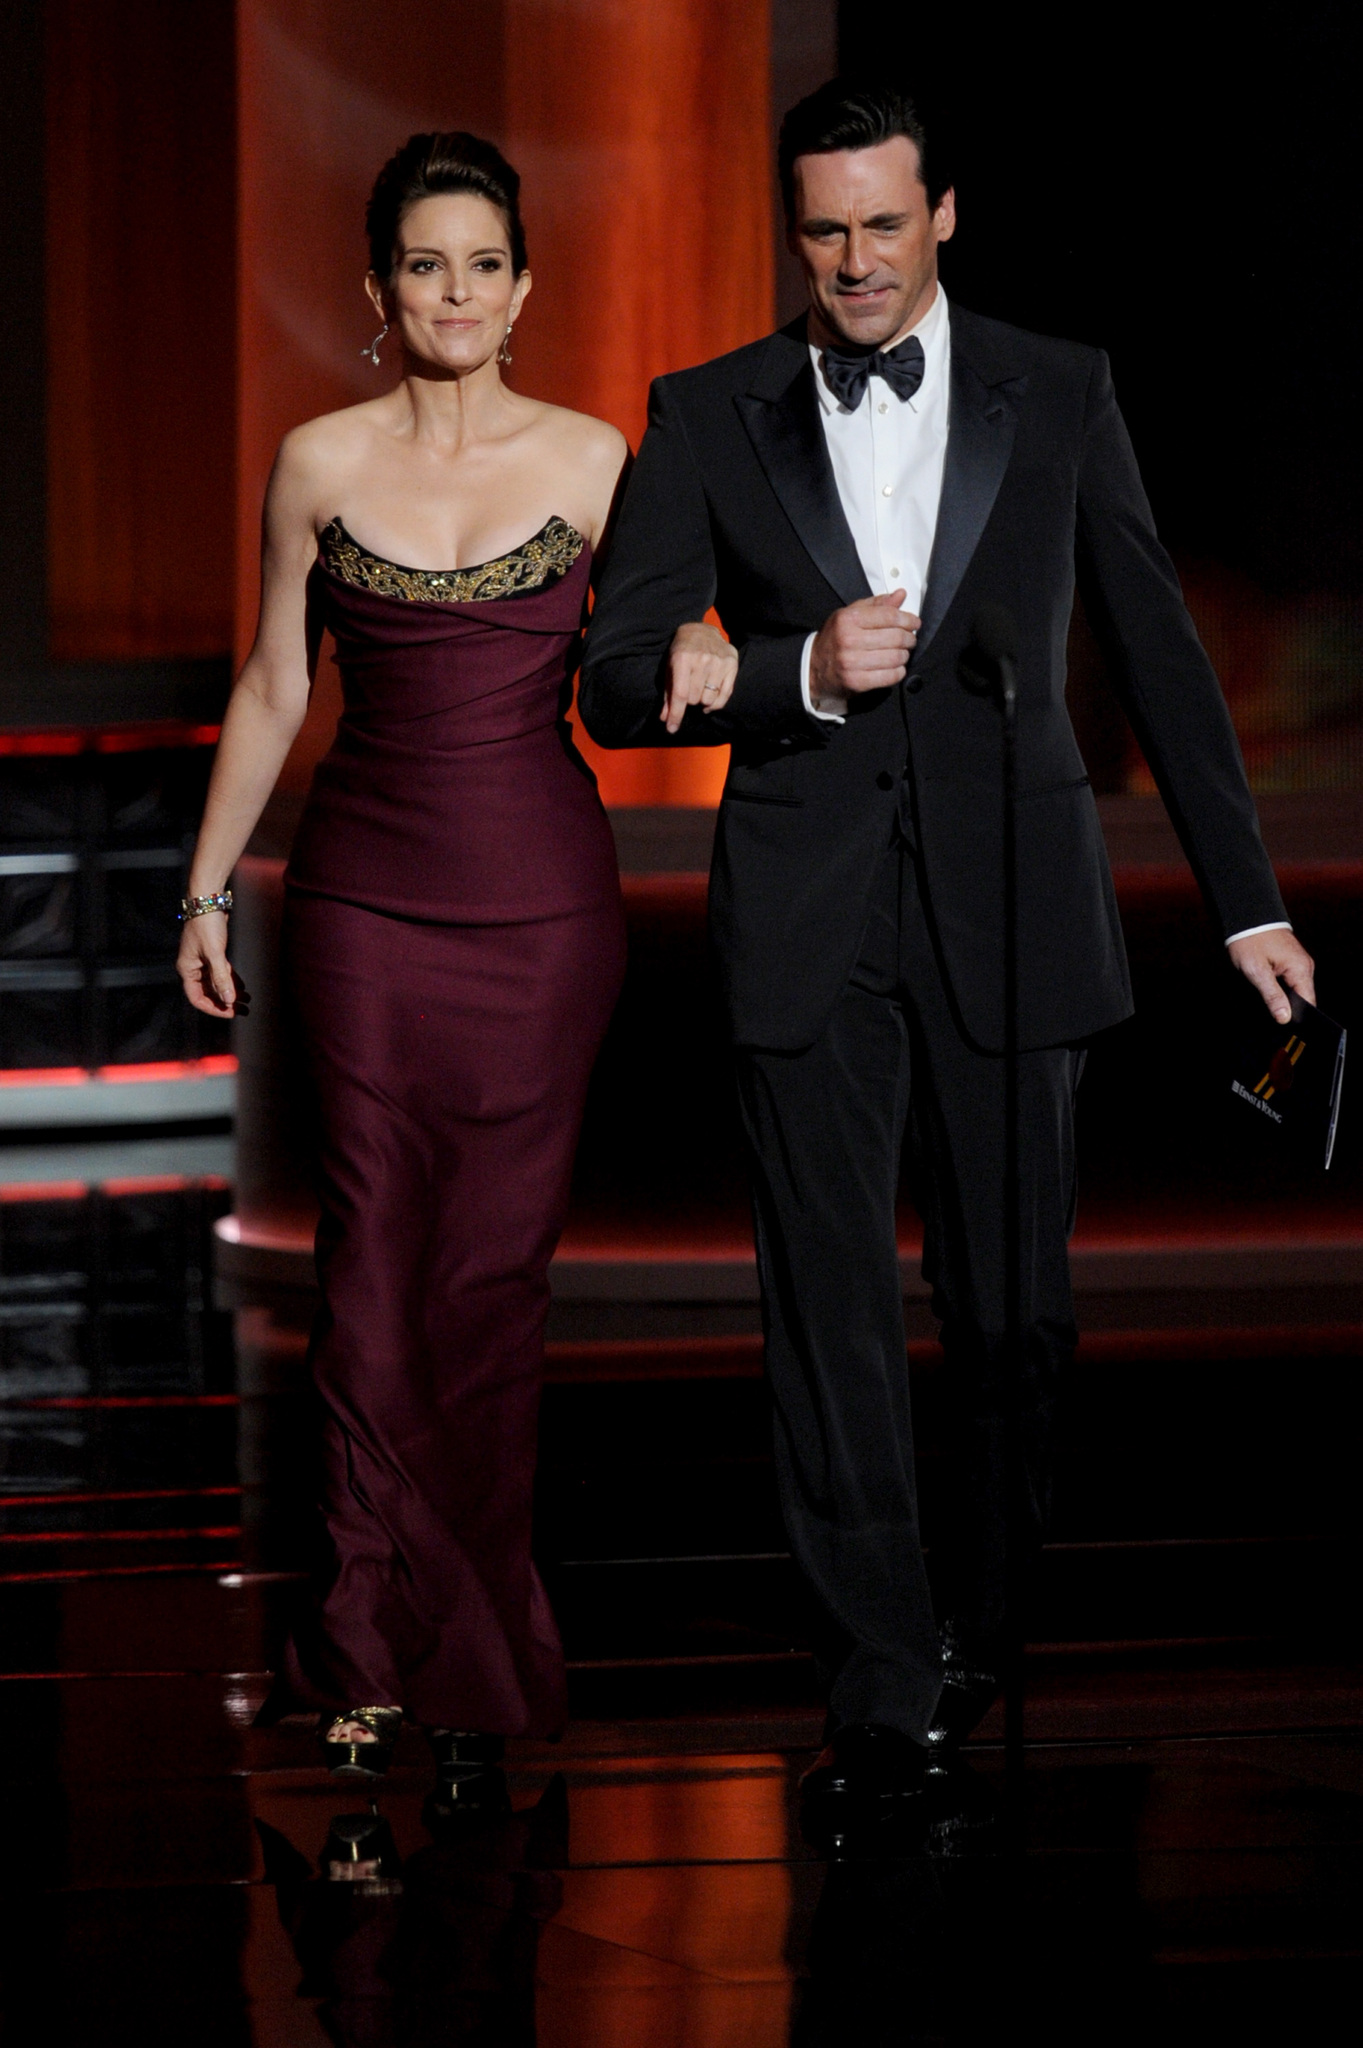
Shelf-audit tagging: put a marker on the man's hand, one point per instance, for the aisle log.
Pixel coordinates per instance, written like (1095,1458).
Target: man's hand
(865,646)
(701,670)
(1264,956)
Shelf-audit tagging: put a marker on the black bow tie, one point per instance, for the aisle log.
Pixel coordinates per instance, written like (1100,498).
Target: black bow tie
(846,374)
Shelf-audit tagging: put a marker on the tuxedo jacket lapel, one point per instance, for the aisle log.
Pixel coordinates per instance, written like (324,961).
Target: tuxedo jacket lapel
(781,416)
(981,426)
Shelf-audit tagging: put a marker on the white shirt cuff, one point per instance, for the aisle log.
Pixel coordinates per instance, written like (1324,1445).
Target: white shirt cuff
(1252,930)
(828,717)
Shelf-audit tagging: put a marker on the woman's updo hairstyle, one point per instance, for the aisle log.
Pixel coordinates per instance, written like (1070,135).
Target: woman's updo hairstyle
(428,164)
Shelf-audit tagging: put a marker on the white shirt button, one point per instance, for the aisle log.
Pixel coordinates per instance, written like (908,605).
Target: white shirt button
(895,569)
(882,407)
(888,491)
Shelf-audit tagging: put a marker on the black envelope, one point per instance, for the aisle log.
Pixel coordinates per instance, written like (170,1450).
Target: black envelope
(1289,1076)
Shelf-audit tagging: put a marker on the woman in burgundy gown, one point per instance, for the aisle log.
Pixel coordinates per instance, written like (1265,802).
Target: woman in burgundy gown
(454,943)
(454,940)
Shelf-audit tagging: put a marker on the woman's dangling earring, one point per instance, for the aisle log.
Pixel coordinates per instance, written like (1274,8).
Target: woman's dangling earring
(504,352)
(373,349)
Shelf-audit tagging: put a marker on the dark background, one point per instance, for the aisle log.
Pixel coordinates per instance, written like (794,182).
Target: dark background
(1179,187)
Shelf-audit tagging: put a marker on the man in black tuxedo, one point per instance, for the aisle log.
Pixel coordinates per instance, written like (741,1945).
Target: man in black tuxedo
(848,493)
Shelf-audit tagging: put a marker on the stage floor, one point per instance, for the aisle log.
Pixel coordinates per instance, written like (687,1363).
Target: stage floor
(1184,1859)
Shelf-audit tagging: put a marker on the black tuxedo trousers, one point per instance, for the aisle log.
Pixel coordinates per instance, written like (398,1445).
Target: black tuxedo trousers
(827,1126)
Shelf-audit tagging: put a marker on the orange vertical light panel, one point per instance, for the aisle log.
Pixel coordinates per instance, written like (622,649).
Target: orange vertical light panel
(642,135)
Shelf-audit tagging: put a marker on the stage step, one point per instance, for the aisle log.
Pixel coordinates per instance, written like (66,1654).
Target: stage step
(1205,1490)
(1204,1493)
(1164,1273)
(1087,1599)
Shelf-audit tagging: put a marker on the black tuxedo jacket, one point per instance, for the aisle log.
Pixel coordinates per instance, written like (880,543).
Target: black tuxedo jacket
(733,504)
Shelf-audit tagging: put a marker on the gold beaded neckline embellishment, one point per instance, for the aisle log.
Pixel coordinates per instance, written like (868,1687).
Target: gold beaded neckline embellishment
(540,560)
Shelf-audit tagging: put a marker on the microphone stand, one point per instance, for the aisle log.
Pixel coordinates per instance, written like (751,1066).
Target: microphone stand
(989,668)
(1014,1466)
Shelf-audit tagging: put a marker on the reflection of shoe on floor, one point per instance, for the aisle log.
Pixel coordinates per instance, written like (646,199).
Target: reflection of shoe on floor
(360,1851)
(546,1845)
(470,1847)
(470,1783)
(870,1779)
(970,1686)
(966,1819)
(461,1804)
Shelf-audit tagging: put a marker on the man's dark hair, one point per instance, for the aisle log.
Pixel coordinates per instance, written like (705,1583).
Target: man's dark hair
(847,115)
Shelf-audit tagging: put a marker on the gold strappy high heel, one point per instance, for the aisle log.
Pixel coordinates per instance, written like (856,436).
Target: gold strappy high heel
(347,1758)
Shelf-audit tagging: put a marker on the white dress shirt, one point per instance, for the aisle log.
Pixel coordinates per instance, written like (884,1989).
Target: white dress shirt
(887,459)
(888,455)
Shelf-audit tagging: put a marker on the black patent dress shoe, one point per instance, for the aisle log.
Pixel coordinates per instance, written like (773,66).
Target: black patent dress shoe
(868,1784)
(970,1686)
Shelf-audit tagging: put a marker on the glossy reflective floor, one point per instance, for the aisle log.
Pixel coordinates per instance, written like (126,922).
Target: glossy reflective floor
(1182,1859)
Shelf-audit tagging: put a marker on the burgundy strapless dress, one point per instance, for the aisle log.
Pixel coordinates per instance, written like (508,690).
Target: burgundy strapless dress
(455,946)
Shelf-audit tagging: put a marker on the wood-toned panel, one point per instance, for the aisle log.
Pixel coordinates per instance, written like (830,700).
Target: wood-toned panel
(140,286)
(642,134)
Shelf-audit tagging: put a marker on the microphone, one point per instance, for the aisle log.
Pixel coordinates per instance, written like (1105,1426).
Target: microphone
(988,666)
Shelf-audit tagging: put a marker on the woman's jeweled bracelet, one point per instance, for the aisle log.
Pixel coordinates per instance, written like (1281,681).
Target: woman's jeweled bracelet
(201,906)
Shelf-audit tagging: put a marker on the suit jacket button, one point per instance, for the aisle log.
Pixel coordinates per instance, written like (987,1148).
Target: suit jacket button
(884,781)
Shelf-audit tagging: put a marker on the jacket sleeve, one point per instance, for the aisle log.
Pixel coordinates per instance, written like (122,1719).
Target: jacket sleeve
(661,572)
(1166,683)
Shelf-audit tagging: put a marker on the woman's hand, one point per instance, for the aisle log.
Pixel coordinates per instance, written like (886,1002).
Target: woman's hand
(205,970)
(701,670)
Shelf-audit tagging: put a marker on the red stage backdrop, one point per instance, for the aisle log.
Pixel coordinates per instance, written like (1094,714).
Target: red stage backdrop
(140,328)
(642,137)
